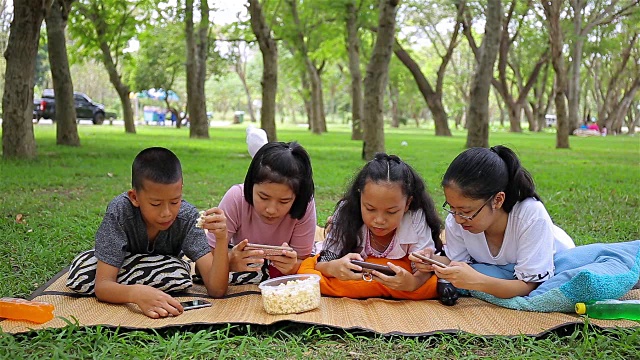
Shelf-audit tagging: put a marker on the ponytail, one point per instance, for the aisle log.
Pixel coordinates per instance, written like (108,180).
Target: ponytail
(520,185)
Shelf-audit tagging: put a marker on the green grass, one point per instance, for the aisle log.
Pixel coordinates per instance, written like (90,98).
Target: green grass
(591,190)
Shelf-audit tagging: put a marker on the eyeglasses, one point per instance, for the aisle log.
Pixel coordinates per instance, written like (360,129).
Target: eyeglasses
(462,216)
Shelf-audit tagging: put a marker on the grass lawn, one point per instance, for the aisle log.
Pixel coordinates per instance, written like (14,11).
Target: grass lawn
(592,191)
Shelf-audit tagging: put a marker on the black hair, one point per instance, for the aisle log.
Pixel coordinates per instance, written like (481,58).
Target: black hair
(155,164)
(347,222)
(480,173)
(282,163)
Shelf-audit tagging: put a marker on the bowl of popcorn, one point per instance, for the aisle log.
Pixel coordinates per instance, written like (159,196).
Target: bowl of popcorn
(291,294)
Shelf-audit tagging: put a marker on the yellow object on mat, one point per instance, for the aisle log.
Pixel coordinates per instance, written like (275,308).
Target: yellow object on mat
(243,305)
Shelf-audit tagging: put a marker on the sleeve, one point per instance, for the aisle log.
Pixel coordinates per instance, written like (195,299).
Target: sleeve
(231,204)
(195,243)
(535,241)
(424,239)
(111,240)
(304,231)
(455,247)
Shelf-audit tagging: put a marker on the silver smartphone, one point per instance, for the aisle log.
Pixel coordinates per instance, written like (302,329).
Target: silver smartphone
(194,304)
(429,260)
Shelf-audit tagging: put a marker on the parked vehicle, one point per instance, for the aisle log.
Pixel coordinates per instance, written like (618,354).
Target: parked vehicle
(45,107)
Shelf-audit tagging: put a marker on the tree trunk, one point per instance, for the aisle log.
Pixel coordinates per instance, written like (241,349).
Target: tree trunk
(633,116)
(121,88)
(66,126)
(394,95)
(247,92)
(318,123)
(269,50)
(353,50)
(432,98)
(552,12)
(18,140)
(531,120)
(617,118)
(197,47)
(573,86)
(478,112)
(374,82)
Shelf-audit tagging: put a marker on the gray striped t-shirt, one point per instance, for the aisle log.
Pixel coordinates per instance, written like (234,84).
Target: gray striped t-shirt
(124,231)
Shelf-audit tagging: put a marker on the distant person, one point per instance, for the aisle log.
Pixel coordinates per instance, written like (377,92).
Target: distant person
(594,126)
(499,237)
(275,206)
(143,236)
(385,214)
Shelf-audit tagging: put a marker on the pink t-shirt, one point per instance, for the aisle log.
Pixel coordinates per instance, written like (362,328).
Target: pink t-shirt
(243,222)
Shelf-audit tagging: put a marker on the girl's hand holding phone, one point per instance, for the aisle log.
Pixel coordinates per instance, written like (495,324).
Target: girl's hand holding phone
(286,261)
(403,280)
(245,260)
(418,258)
(344,269)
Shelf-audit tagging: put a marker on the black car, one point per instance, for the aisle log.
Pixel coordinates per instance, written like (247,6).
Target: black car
(45,107)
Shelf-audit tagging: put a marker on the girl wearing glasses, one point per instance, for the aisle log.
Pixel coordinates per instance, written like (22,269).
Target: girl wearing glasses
(385,214)
(499,237)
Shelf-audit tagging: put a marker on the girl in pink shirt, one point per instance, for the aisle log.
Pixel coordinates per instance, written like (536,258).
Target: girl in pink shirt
(274,206)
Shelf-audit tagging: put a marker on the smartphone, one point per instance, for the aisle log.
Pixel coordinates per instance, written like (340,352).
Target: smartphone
(371,266)
(429,260)
(194,304)
(268,249)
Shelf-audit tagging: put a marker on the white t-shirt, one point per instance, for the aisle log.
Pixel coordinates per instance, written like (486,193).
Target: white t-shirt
(412,234)
(530,241)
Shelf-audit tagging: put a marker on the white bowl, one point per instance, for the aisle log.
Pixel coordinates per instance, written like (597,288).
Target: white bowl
(291,294)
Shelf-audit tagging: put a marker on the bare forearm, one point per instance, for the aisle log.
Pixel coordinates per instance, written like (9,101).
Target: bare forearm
(502,288)
(324,267)
(218,279)
(114,293)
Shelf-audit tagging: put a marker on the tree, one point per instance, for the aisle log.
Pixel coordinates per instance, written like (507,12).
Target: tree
(314,70)
(374,81)
(158,67)
(18,140)
(269,50)
(552,11)
(515,76)
(588,15)
(196,65)
(478,112)
(425,19)
(432,97)
(66,126)
(353,51)
(102,30)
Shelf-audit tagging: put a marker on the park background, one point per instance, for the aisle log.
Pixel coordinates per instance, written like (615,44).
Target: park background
(434,93)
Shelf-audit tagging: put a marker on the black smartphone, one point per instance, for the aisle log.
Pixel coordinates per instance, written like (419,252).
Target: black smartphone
(371,266)
(429,260)
(194,304)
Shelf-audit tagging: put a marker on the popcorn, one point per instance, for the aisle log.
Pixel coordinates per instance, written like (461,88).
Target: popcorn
(291,294)
(200,221)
